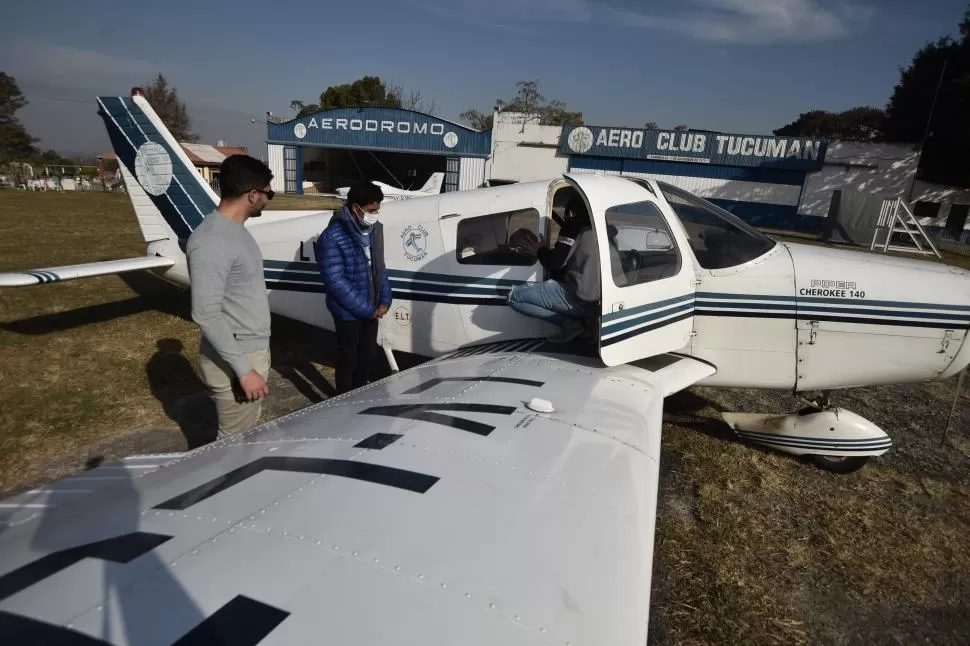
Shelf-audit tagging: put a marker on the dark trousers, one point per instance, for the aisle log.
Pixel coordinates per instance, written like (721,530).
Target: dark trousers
(356,350)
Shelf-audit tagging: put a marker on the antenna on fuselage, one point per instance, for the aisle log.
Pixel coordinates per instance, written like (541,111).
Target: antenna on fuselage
(956,398)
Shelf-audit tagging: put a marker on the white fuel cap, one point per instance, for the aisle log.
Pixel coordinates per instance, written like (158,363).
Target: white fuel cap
(541,405)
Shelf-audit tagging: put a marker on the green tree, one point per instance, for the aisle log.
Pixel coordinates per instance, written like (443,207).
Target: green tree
(16,144)
(863,123)
(366,91)
(171,110)
(930,105)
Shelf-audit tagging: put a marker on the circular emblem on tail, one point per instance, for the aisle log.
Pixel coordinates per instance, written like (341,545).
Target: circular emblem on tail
(153,168)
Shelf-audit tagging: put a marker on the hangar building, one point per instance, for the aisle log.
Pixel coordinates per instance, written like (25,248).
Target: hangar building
(769,181)
(325,151)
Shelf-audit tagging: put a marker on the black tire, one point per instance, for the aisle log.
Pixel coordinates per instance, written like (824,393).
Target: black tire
(840,464)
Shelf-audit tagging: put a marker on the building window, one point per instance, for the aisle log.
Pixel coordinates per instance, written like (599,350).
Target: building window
(491,239)
(641,246)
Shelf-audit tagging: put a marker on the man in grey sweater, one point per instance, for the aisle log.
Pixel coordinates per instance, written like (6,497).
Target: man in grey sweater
(229,300)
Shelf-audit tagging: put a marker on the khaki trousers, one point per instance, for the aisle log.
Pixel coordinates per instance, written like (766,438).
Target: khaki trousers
(235,412)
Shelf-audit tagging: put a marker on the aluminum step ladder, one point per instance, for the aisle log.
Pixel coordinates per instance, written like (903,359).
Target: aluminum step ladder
(895,216)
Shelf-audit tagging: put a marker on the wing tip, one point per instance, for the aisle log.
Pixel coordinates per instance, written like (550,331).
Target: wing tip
(26,278)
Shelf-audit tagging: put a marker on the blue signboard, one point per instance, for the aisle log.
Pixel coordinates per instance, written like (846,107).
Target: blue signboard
(699,147)
(381,129)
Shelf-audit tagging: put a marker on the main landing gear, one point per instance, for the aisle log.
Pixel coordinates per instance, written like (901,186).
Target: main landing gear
(836,439)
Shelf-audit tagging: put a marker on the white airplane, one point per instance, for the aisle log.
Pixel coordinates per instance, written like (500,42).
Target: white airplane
(505,491)
(431,187)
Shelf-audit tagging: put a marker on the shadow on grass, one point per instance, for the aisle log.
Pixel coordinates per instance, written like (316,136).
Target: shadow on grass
(684,409)
(183,395)
(152,292)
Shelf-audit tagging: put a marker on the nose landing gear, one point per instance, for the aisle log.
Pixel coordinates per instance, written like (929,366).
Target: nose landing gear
(836,439)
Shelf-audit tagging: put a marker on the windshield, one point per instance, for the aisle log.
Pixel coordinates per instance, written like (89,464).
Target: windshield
(718,238)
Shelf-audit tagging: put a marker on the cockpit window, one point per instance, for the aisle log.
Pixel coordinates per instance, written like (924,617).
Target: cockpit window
(718,238)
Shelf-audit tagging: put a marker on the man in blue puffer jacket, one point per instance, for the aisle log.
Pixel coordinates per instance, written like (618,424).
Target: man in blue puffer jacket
(350,253)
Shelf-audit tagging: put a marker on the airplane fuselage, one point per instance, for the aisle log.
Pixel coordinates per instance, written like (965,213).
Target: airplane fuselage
(794,317)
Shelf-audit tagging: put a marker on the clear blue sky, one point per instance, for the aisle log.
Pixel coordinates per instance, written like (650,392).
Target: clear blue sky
(745,66)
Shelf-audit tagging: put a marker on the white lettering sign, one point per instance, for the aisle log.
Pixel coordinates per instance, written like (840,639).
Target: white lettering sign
(692,146)
(682,141)
(767,147)
(620,138)
(373,125)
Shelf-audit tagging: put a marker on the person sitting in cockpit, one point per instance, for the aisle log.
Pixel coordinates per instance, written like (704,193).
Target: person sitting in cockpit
(574,294)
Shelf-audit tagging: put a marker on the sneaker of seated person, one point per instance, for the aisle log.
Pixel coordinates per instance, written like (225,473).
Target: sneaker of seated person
(567,333)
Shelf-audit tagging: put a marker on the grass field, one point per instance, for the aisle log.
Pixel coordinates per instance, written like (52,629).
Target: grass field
(752,547)
(87,360)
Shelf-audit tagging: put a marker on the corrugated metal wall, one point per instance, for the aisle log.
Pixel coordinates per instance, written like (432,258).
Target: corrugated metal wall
(761,196)
(472,173)
(275,163)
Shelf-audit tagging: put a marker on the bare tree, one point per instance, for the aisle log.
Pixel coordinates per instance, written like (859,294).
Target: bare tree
(528,100)
(477,120)
(413,99)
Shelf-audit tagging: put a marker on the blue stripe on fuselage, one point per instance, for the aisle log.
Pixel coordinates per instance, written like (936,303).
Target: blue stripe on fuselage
(475,290)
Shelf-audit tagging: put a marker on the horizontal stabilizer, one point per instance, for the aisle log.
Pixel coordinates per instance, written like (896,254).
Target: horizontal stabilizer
(88,270)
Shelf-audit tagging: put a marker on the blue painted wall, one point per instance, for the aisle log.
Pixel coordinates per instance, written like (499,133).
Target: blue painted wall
(381,129)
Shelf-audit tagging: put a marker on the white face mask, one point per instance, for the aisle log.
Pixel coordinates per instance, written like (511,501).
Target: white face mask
(369,218)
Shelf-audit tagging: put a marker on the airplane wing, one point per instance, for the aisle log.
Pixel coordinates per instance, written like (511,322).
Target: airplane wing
(433,507)
(87,270)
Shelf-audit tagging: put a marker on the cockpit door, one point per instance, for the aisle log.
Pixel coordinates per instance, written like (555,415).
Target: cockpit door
(647,280)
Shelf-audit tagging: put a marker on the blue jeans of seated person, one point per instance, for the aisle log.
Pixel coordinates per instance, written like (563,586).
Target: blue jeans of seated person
(550,301)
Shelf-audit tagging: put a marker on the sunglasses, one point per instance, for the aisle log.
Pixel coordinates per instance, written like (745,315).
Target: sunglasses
(269,194)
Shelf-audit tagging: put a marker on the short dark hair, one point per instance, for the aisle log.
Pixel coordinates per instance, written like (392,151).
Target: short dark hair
(364,192)
(577,206)
(239,174)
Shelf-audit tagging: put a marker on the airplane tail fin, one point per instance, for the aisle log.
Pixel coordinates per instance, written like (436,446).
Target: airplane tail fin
(168,194)
(433,185)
